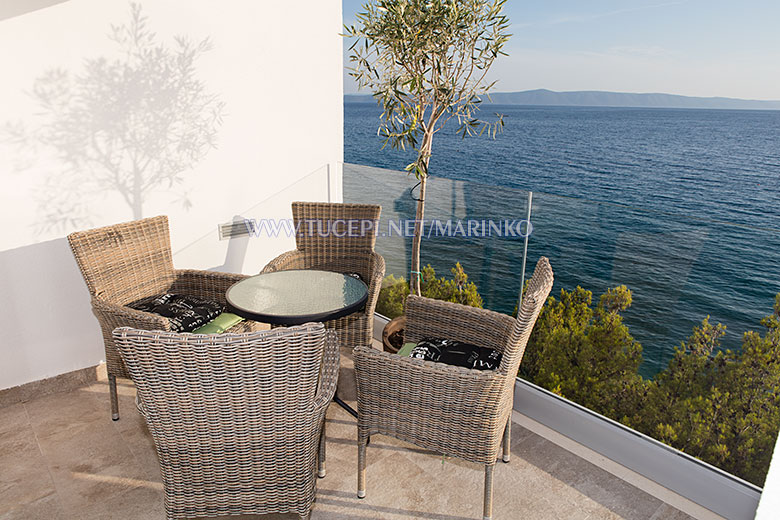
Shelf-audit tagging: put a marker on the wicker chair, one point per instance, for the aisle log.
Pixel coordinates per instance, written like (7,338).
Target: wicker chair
(455,411)
(237,419)
(316,248)
(127,262)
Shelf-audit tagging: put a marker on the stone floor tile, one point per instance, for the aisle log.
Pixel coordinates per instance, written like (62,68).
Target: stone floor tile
(667,512)
(12,396)
(125,396)
(131,427)
(45,508)
(584,478)
(140,503)
(347,386)
(90,464)
(23,482)
(139,442)
(13,417)
(67,459)
(24,476)
(63,413)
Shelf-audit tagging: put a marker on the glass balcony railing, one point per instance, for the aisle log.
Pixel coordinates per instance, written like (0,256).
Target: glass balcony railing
(625,335)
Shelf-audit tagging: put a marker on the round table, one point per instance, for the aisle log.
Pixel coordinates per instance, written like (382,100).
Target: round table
(297,296)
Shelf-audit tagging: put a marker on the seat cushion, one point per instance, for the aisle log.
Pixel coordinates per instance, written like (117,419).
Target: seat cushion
(219,324)
(184,313)
(406,350)
(456,353)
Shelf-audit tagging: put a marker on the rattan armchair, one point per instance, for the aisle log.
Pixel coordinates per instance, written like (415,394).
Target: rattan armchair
(237,419)
(126,262)
(455,411)
(339,238)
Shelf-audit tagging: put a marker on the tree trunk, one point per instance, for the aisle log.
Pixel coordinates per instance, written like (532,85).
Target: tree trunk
(416,272)
(423,158)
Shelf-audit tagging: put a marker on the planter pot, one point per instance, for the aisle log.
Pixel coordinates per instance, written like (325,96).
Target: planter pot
(393,334)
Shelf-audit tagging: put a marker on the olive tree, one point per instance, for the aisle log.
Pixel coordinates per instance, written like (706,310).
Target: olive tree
(425,62)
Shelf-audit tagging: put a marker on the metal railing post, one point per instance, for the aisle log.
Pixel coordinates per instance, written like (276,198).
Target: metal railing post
(525,249)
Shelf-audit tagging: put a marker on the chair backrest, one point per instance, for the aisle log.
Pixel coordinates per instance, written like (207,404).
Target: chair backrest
(535,296)
(125,262)
(328,230)
(227,408)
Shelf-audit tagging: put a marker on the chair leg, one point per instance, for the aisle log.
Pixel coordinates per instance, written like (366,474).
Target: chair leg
(114,399)
(487,509)
(507,437)
(321,458)
(361,485)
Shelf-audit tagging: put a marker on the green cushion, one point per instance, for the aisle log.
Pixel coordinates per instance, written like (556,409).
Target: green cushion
(406,349)
(219,324)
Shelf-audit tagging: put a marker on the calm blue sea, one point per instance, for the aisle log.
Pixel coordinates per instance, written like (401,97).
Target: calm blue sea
(682,206)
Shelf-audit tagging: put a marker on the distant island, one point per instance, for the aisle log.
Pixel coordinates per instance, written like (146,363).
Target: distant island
(595,98)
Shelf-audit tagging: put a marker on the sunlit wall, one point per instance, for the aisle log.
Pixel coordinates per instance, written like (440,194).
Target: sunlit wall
(113,111)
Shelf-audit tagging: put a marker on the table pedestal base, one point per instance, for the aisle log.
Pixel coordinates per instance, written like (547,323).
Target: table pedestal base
(338,401)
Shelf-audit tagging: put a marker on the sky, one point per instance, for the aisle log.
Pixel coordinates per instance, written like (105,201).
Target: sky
(689,47)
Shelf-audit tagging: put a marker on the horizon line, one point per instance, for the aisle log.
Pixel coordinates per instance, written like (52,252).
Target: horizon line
(609,92)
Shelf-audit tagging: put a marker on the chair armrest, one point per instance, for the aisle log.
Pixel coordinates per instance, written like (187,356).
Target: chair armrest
(330,373)
(429,318)
(376,274)
(390,384)
(112,316)
(289,260)
(207,285)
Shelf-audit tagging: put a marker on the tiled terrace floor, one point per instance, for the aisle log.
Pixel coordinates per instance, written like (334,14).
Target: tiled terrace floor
(62,457)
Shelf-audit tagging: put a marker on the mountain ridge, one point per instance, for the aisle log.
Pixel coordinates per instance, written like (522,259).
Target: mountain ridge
(600,98)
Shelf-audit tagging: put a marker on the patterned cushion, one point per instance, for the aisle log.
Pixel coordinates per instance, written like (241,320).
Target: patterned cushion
(185,313)
(457,353)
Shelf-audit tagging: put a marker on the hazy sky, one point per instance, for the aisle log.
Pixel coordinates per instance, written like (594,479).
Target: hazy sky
(690,47)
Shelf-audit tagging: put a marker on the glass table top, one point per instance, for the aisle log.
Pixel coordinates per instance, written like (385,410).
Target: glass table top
(297,296)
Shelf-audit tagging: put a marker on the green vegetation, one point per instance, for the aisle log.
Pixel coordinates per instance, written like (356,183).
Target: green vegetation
(720,406)
(586,354)
(425,62)
(457,289)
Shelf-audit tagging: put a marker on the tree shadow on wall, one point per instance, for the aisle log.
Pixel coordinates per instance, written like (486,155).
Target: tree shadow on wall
(131,125)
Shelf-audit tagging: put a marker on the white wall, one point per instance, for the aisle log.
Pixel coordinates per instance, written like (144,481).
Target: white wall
(769,505)
(276,68)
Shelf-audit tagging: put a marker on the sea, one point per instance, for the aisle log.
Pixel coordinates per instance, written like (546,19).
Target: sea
(680,205)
